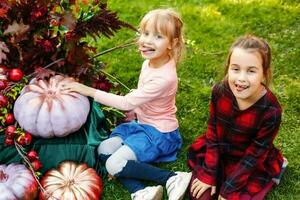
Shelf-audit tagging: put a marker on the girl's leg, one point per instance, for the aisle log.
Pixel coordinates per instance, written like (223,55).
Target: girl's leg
(110,145)
(262,194)
(106,149)
(132,185)
(123,164)
(259,196)
(204,196)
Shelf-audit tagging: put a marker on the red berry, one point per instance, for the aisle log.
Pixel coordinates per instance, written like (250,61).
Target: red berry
(24,139)
(54,22)
(21,140)
(3,69)
(36,165)
(9,141)
(9,119)
(10,131)
(10,135)
(69,35)
(28,138)
(32,155)
(3,101)
(15,74)
(3,84)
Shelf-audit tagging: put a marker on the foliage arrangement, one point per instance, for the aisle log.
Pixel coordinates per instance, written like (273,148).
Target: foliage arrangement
(35,35)
(38,34)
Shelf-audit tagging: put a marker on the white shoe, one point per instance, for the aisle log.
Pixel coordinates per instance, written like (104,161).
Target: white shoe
(177,185)
(148,193)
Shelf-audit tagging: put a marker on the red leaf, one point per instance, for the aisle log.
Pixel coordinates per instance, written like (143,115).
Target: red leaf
(16,28)
(3,12)
(3,51)
(42,73)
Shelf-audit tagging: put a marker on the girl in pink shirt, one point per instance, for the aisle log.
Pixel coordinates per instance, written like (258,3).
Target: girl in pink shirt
(155,136)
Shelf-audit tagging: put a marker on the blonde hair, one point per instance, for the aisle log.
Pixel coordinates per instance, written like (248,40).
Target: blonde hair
(256,44)
(168,23)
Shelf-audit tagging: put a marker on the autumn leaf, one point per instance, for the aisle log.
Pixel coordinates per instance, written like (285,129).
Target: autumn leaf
(3,51)
(85,2)
(3,12)
(69,21)
(42,73)
(16,28)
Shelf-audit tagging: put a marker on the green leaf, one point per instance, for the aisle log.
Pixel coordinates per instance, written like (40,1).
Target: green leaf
(38,174)
(4,111)
(63,29)
(88,16)
(2,119)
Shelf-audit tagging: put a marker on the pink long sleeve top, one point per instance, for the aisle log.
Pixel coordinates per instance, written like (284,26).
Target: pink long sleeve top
(154,99)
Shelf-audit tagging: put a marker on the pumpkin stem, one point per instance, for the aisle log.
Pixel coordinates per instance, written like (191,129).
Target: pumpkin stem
(70,182)
(3,176)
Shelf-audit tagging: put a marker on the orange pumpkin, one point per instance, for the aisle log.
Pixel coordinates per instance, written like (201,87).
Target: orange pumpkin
(17,182)
(44,110)
(71,181)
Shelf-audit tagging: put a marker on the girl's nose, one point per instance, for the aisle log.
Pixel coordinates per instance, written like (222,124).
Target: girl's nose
(242,76)
(147,39)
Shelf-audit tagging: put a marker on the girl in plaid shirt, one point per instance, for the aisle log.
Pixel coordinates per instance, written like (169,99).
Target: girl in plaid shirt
(236,159)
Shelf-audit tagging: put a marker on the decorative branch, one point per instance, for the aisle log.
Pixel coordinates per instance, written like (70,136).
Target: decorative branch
(22,153)
(114,48)
(111,76)
(32,74)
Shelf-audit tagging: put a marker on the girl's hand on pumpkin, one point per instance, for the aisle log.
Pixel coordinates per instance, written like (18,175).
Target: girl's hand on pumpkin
(79,88)
(198,188)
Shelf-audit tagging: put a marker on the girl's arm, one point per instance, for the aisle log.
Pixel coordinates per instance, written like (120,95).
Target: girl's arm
(255,154)
(207,172)
(151,89)
(79,88)
(211,161)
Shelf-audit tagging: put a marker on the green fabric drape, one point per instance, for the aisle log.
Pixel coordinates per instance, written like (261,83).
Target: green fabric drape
(80,146)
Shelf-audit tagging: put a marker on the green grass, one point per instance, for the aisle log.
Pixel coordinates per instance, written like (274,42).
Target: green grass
(210,28)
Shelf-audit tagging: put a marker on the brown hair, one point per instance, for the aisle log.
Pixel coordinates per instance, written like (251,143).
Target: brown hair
(255,44)
(168,23)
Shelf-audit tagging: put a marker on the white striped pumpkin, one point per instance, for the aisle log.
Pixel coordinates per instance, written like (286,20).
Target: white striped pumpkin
(71,181)
(44,110)
(17,182)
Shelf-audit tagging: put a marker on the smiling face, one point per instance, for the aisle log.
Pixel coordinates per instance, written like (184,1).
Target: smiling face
(245,76)
(154,46)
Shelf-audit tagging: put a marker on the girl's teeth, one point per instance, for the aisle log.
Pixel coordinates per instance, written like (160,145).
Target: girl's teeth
(240,88)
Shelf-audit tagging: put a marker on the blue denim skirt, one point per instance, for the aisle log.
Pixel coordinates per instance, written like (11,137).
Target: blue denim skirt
(148,143)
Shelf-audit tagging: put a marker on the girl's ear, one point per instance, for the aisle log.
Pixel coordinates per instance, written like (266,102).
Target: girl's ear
(174,42)
(264,81)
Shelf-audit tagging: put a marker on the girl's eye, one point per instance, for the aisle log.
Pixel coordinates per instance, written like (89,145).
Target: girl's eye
(145,33)
(159,36)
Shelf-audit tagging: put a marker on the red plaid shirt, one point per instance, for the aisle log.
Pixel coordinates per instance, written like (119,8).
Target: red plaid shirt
(237,151)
